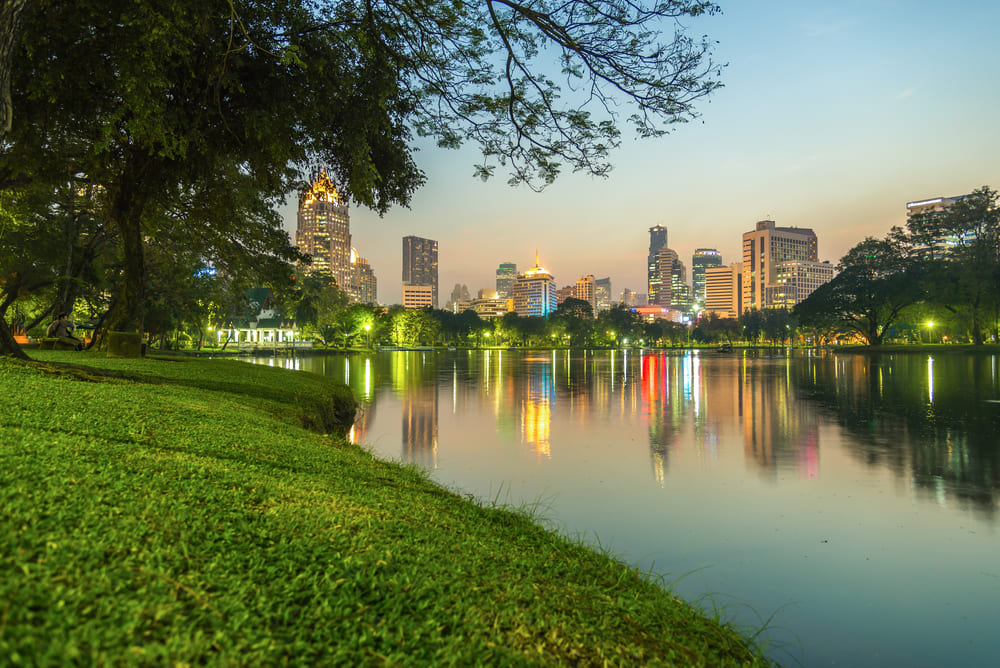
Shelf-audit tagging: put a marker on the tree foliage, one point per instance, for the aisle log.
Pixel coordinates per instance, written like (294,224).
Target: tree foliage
(877,279)
(201,116)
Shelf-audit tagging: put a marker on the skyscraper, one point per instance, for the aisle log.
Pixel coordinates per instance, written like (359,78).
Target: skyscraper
(657,241)
(535,292)
(364,285)
(324,231)
(924,218)
(420,264)
(602,294)
(702,259)
(665,278)
(723,293)
(506,275)
(764,249)
(586,291)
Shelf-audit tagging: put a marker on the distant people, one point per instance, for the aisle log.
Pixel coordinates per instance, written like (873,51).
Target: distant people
(62,329)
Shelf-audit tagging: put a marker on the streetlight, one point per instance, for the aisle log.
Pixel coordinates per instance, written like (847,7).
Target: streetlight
(368,334)
(930,325)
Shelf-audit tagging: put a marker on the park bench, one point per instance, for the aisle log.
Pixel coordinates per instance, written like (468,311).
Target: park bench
(56,343)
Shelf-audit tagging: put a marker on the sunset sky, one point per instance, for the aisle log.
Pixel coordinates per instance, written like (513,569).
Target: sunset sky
(833,117)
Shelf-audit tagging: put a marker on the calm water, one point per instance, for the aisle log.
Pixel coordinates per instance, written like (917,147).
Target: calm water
(853,498)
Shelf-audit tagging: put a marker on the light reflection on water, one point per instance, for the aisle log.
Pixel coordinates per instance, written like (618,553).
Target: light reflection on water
(854,495)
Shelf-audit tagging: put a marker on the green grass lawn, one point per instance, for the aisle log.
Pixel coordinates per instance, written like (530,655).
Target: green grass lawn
(189,512)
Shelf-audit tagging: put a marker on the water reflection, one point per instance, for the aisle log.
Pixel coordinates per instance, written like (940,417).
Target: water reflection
(930,420)
(933,421)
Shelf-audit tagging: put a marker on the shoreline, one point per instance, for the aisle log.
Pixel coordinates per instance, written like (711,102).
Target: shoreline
(184,510)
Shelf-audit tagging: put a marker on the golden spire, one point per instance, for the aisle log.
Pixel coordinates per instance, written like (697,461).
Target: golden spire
(323,189)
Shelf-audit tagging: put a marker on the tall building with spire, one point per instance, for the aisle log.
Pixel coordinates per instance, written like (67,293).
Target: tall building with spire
(420,265)
(535,292)
(324,231)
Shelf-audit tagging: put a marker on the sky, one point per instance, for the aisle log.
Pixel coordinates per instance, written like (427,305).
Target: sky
(833,116)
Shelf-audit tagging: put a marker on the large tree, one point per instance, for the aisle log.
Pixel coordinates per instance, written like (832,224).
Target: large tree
(164,100)
(876,280)
(966,282)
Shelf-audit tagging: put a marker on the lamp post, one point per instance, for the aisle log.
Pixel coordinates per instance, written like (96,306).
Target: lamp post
(368,334)
(930,325)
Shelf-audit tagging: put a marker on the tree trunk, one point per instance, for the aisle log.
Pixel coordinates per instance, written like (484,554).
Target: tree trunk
(12,12)
(8,346)
(128,205)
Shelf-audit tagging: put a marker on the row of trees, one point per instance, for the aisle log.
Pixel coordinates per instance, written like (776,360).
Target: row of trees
(943,268)
(142,141)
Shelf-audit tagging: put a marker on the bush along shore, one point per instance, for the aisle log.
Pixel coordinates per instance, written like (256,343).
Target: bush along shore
(190,511)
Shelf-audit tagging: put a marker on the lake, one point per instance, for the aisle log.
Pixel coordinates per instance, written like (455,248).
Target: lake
(846,502)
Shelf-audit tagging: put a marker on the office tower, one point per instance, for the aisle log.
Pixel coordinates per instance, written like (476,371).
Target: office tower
(723,290)
(924,221)
(586,291)
(702,259)
(324,231)
(535,292)
(364,285)
(602,294)
(680,291)
(662,283)
(564,293)
(420,265)
(657,241)
(629,298)
(506,275)
(460,299)
(764,249)
(796,280)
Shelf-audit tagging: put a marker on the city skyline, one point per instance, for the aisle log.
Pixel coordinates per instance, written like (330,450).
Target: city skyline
(831,118)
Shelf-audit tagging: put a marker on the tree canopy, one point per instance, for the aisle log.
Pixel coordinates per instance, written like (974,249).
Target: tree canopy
(876,281)
(204,115)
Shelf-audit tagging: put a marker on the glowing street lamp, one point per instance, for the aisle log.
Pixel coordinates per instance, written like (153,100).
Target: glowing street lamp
(368,333)
(930,325)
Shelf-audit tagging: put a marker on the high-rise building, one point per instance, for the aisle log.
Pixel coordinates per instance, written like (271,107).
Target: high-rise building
(459,300)
(764,249)
(564,293)
(723,290)
(923,219)
(661,285)
(680,291)
(506,275)
(324,231)
(535,292)
(586,291)
(420,264)
(657,241)
(796,280)
(364,285)
(702,259)
(602,294)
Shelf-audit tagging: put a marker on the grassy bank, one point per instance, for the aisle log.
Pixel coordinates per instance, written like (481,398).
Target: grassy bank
(177,512)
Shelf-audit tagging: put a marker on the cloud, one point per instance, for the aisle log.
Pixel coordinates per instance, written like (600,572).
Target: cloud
(902,95)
